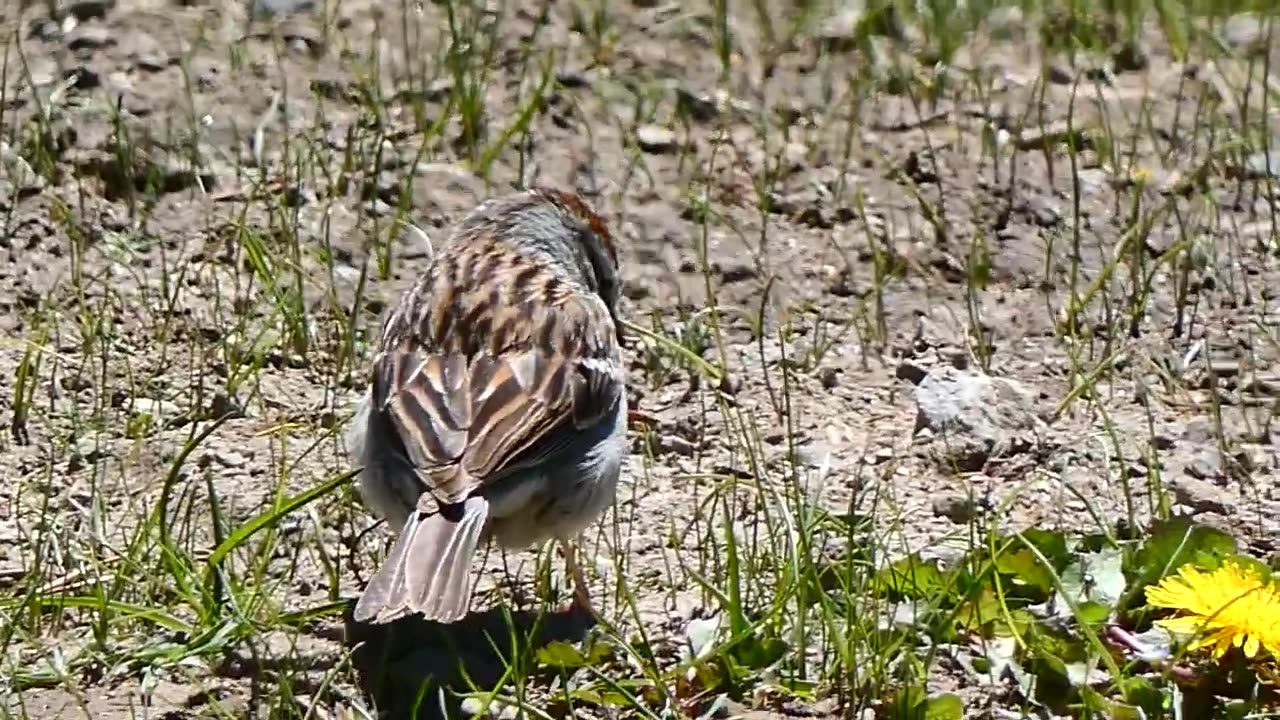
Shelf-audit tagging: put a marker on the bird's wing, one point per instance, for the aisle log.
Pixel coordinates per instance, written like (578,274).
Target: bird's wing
(470,413)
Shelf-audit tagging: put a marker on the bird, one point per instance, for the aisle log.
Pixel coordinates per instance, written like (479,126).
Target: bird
(496,409)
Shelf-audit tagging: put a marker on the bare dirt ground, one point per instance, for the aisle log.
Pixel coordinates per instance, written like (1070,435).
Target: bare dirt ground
(201,209)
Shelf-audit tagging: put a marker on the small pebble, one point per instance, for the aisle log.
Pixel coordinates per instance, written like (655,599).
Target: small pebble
(655,138)
(955,507)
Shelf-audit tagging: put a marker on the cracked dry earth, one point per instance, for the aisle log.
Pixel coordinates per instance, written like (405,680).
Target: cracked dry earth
(128,296)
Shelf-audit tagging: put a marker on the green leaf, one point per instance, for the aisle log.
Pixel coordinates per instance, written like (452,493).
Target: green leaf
(760,653)
(1179,541)
(587,696)
(1103,706)
(1261,569)
(753,652)
(600,650)
(1018,622)
(1093,613)
(1052,544)
(800,688)
(1024,566)
(1139,692)
(981,612)
(1096,578)
(1060,644)
(913,577)
(1053,685)
(560,654)
(722,674)
(1080,673)
(944,707)
(911,703)
(1238,710)
(1106,570)
(1174,543)
(907,702)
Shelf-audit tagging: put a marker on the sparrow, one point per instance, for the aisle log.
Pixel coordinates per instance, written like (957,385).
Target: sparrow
(496,409)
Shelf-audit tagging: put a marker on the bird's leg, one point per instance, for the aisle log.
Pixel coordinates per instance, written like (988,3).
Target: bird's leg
(581,594)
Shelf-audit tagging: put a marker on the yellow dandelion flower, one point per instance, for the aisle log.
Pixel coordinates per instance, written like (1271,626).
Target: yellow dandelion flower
(1228,607)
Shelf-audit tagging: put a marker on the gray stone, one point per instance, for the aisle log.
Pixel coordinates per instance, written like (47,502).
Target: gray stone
(17,173)
(1198,430)
(1246,32)
(1206,465)
(813,455)
(829,377)
(675,444)
(1006,22)
(1261,165)
(839,30)
(284,7)
(977,416)
(158,410)
(90,9)
(957,508)
(1060,74)
(699,106)
(1130,57)
(1201,496)
(655,138)
(732,271)
(83,453)
(1041,211)
(951,400)
(90,37)
(911,371)
(230,458)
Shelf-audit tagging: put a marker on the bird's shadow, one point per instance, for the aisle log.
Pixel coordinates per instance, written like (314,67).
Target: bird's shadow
(415,668)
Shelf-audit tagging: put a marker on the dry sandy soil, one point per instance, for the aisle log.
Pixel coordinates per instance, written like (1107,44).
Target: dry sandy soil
(199,199)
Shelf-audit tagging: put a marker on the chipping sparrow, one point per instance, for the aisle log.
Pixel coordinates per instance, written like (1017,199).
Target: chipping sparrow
(497,407)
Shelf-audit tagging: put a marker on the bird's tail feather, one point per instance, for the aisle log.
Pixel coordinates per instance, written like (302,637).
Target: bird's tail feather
(428,570)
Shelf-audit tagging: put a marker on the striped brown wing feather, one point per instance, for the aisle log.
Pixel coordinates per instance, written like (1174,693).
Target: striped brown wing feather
(467,421)
(521,402)
(425,396)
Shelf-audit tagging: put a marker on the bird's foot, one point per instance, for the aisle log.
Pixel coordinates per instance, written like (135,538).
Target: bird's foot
(581,592)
